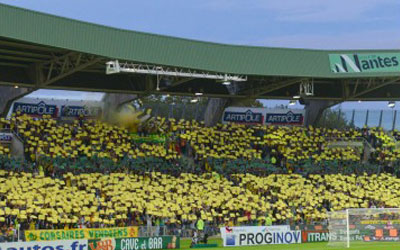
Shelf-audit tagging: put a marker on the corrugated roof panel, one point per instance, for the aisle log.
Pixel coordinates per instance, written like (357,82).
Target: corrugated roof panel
(49,30)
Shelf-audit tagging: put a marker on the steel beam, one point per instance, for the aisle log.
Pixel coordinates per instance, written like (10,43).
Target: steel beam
(378,86)
(252,93)
(28,46)
(63,66)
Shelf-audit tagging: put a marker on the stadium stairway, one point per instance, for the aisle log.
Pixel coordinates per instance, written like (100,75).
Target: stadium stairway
(16,146)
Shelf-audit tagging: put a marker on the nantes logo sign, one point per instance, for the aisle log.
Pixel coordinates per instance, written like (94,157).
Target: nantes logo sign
(365,63)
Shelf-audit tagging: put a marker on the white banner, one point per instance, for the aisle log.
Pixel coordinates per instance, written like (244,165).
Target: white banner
(46,245)
(6,137)
(261,116)
(259,235)
(67,109)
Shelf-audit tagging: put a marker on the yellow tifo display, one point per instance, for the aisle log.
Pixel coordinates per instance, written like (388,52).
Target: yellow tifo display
(45,137)
(122,198)
(235,141)
(4,150)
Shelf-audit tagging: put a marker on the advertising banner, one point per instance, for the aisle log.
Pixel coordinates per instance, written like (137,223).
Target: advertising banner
(35,109)
(142,243)
(71,111)
(66,109)
(81,233)
(291,117)
(243,115)
(315,236)
(364,63)
(47,245)
(261,116)
(6,137)
(259,235)
(379,222)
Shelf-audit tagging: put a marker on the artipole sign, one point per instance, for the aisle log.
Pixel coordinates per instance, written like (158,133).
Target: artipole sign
(365,63)
(264,116)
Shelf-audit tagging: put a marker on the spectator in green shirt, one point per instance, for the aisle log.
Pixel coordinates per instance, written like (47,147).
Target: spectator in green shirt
(268,220)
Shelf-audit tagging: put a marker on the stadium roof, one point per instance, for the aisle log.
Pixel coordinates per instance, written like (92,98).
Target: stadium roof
(46,51)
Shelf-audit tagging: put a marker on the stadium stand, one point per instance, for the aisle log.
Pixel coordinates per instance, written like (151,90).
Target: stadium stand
(92,174)
(98,200)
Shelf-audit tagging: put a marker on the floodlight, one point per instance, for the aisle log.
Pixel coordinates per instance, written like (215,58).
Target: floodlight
(391,104)
(292,102)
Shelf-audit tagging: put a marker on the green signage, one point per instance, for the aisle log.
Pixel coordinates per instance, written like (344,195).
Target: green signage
(141,243)
(150,138)
(365,63)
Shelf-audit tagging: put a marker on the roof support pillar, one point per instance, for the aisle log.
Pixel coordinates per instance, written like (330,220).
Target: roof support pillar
(214,110)
(315,109)
(8,94)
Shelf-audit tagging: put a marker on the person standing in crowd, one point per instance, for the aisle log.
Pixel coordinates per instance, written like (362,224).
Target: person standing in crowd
(200,227)
(268,220)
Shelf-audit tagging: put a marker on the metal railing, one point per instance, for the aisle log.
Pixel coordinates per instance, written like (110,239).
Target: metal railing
(387,119)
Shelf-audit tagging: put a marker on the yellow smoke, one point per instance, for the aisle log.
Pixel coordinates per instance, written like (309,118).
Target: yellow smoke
(131,118)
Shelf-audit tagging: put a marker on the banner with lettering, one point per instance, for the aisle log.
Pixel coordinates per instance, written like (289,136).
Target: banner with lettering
(264,116)
(72,111)
(81,233)
(64,109)
(141,243)
(364,62)
(46,245)
(317,236)
(35,109)
(6,137)
(259,235)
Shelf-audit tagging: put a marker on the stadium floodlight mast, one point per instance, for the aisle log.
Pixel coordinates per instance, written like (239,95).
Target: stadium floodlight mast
(114,67)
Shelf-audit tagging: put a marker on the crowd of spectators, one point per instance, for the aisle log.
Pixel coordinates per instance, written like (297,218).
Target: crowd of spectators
(93,174)
(282,146)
